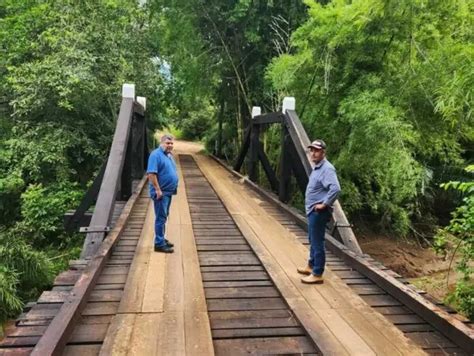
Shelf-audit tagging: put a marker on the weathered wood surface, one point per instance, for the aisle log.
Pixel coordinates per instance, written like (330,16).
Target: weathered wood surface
(244,305)
(111,180)
(163,309)
(60,329)
(333,314)
(343,258)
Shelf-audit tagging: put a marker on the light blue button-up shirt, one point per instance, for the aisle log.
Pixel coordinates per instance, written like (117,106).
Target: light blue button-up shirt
(323,186)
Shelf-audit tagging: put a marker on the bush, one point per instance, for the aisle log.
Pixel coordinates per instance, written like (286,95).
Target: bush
(460,233)
(42,209)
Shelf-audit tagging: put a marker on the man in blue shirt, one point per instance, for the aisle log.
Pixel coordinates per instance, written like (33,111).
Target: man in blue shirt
(163,183)
(321,192)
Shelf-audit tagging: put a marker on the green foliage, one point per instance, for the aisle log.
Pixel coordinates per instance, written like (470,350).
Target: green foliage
(10,303)
(23,273)
(62,66)
(216,52)
(388,86)
(42,210)
(460,233)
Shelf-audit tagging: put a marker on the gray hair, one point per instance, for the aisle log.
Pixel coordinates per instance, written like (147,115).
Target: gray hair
(166,137)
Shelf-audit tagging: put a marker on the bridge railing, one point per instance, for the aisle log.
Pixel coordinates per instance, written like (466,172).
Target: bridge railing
(126,163)
(294,161)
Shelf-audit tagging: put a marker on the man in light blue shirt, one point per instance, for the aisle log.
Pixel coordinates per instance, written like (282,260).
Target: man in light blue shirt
(321,193)
(163,183)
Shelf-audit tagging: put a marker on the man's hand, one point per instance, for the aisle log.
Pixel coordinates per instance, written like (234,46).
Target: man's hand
(319,207)
(159,194)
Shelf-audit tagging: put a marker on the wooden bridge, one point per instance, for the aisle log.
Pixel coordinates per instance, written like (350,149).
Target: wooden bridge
(231,287)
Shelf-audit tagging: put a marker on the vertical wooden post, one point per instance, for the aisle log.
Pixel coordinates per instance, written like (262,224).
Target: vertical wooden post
(254,146)
(284,191)
(126,178)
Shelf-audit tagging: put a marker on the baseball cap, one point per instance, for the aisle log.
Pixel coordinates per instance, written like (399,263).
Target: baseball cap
(318,144)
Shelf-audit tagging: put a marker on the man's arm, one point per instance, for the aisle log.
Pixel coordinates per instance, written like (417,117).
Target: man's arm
(153,178)
(331,183)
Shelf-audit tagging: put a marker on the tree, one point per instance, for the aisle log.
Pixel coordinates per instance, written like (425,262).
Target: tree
(387,84)
(460,233)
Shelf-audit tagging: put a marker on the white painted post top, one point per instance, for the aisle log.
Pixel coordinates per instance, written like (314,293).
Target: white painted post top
(256,110)
(288,104)
(142,101)
(128,91)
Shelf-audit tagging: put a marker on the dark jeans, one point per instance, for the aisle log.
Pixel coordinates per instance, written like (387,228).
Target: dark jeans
(317,221)
(162,210)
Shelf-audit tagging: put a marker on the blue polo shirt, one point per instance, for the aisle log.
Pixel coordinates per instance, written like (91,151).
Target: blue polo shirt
(323,186)
(164,166)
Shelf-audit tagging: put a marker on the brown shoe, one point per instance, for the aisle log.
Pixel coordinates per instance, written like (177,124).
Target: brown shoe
(306,270)
(312,279)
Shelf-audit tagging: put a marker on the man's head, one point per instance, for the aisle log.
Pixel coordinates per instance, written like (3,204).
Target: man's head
(317,150)
(166,143)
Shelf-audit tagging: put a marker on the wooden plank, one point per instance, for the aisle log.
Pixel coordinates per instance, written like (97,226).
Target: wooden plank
(117,340)
(274,346)
(253,322)
(86,333)
(231,268)
(255,292)
(134,290)
(258,332)
(172,339)
(146,333)
(111,180)
(153,296)
(273,239)
(245,304)
(173,298)
(103,308)
(234,276)
(82,350)
(221,284)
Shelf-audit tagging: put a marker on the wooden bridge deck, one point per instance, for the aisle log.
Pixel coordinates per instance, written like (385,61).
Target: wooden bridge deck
(163,309)
(160,304)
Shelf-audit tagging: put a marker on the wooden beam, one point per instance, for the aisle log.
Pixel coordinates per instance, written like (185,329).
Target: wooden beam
(73,222)
(300,139)
(253,154)
(267,167)
(138,151)
(58,332)
(243,151)
(285,166)
(270,118)
(298,169)
(108,190)
(301,142)
(126,177)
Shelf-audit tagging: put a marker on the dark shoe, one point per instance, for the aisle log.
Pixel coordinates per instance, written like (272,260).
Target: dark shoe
(165,249)
(169,243)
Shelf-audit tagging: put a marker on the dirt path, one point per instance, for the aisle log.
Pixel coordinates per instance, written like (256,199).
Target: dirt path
(421,265)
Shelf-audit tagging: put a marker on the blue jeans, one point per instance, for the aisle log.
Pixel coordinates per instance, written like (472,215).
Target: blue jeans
(317,221)
(162,210)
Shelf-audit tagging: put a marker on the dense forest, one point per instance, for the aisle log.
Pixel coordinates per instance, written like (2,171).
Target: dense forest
(387,84)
